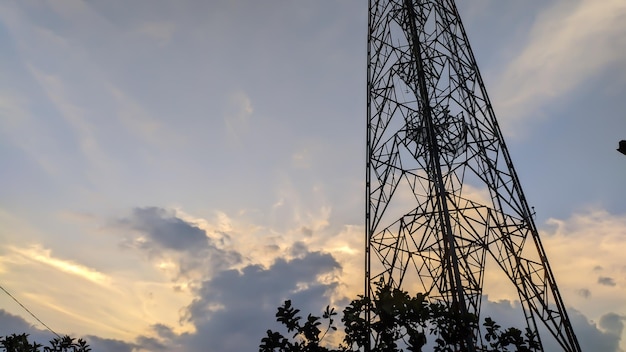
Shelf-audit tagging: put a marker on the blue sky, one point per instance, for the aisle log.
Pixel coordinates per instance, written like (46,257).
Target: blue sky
(172,171)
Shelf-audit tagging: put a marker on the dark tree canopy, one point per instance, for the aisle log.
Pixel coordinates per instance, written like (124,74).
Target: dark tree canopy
(20,343)
(401,323)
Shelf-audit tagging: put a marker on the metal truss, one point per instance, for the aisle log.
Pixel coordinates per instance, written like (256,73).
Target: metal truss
(442,193)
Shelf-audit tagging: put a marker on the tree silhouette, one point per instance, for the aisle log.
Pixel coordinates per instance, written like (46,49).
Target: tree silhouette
(20,343)
(401,322)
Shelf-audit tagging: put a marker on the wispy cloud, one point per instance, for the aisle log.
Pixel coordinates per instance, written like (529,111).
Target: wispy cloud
(161,32)
(120,303)
(18,128)
(74,115)
(237,116)
(44,256)
(137,119)
(569,44)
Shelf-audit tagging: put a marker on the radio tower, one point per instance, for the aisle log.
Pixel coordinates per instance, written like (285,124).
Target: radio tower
(443,197)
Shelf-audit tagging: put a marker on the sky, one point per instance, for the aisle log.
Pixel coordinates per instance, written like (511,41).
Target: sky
(173,171)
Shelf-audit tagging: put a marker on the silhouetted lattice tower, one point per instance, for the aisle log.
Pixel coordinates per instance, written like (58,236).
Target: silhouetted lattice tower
(442,193)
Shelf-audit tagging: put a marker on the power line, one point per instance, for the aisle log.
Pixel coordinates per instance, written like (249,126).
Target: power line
(29,312)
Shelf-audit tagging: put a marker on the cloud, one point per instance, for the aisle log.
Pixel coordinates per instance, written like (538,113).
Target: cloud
(19,127)
(594,338)
(176,244)
(77,117)
(301,159)
(606,281)
(586,255)
(232,310)
(13,324)
(161,32)
(109,345)
(140,121)
(233,304)
(569,43)
(595,238)
(612,323)
(44,256)
(230,305)
(583,292)
(604,336)
(237,116)
(165,230)
(71,296)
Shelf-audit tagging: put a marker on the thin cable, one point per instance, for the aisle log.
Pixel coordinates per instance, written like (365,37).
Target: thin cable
(29,312)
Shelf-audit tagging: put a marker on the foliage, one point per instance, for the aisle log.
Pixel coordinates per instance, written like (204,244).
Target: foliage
(400,322)
(499,341)
(20,343)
